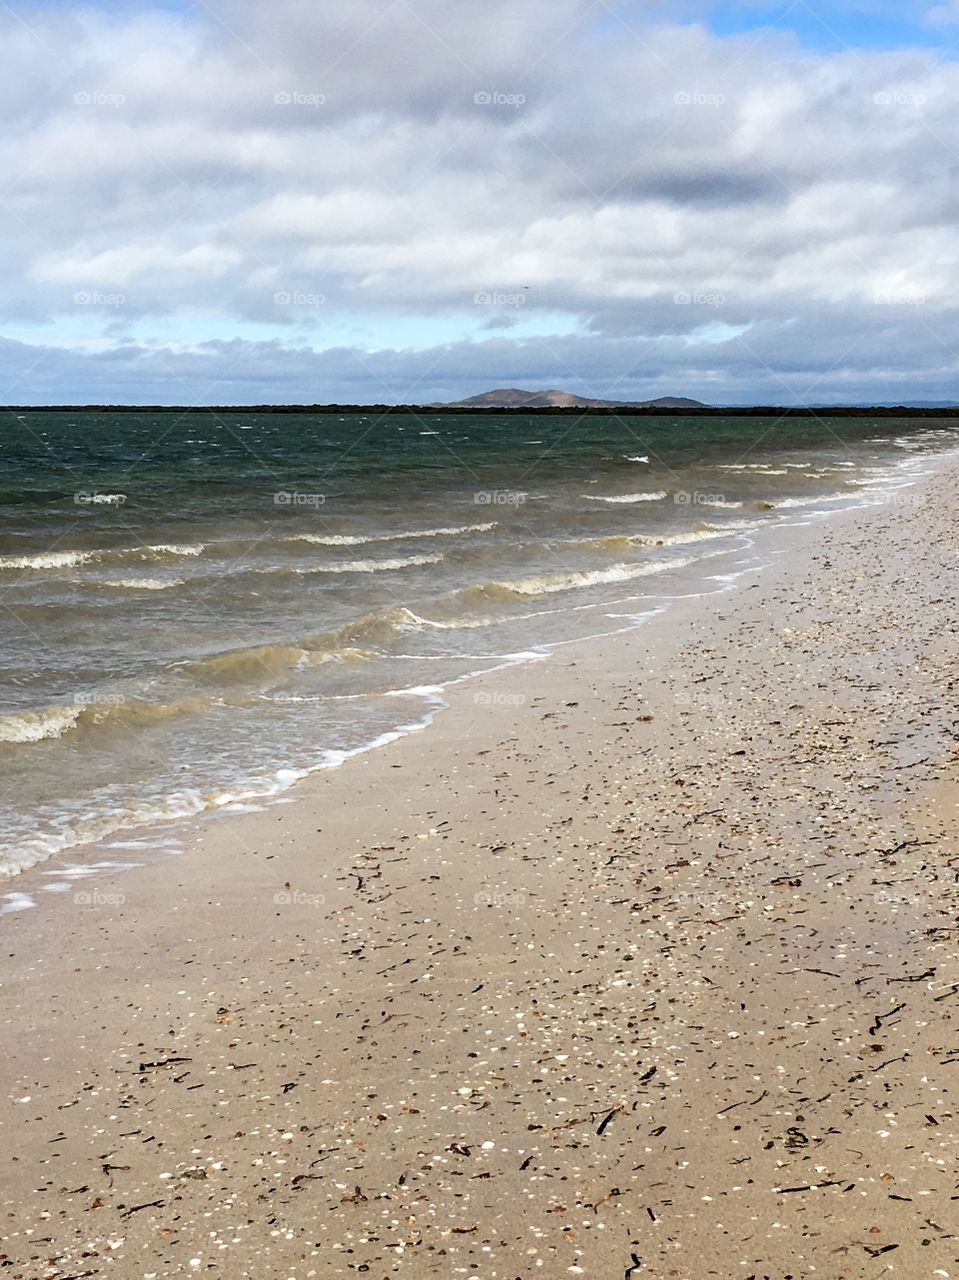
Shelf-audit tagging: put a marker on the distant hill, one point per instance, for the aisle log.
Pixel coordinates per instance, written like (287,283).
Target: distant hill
(514,398)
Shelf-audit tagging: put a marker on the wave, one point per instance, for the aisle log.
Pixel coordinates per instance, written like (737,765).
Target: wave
(628,497)
(770,505)
(51,723)
(367,566)
(175,548)
(101,555)
(638,458)
(190,802)
(141,584)
(413,622)
(702,532)
(38,726)
(48,560)
(361,539)
(550,583)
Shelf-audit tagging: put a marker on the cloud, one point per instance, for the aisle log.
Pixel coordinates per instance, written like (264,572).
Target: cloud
(320,177)
(943,15)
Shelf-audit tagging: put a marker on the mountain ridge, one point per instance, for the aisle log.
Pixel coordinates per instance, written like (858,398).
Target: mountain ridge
(517,398)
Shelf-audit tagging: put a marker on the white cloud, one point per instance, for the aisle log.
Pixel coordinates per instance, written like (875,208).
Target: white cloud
(944,15)
(396,158)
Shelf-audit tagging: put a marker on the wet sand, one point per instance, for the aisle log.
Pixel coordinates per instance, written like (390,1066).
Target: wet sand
(640,962)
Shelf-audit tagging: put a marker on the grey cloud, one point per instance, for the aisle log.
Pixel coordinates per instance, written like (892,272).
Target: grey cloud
(396,158)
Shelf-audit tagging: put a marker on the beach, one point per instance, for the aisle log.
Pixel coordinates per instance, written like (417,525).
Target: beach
(640,960)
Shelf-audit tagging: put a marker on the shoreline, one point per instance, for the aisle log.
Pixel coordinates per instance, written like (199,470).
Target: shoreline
(536,927)
(253,792)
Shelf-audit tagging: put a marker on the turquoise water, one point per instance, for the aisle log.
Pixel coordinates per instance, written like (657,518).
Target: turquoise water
(202,608)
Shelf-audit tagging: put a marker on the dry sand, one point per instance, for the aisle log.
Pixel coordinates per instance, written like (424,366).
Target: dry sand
(641,963)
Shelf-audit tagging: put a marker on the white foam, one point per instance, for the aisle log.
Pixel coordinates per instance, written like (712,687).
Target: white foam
(548,584)
(16,902)
(47,560)
(141,584)
(178,549)
(628,497)
(372,566)
(361,539)
(37,726)
(413,622)
(811,502)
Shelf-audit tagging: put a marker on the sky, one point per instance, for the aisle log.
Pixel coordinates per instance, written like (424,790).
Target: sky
(409,201)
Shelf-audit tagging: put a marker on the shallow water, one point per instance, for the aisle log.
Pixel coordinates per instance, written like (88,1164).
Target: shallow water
(198,610)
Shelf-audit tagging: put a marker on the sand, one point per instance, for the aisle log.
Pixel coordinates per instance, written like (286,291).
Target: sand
(641,962)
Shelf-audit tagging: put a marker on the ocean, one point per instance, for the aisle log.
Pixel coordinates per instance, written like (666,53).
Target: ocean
(198,610)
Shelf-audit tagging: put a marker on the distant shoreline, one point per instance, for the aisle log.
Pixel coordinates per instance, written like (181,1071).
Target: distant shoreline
(384,410)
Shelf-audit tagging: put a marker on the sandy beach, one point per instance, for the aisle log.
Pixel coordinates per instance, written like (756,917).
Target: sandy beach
(641,961)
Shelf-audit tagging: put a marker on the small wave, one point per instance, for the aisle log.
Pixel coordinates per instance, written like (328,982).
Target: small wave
(177,548)
(346,654)
(768,505)
(141,584)
(102,499)
(550,583)
(188,803)
(370,566)
(413,622)
(638,458)
(73,559)
(234,665)
(265,664)
(38,726)
(56,722)
(628,497)
(48,560)
(624,541)
(728,506)
(361,539)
